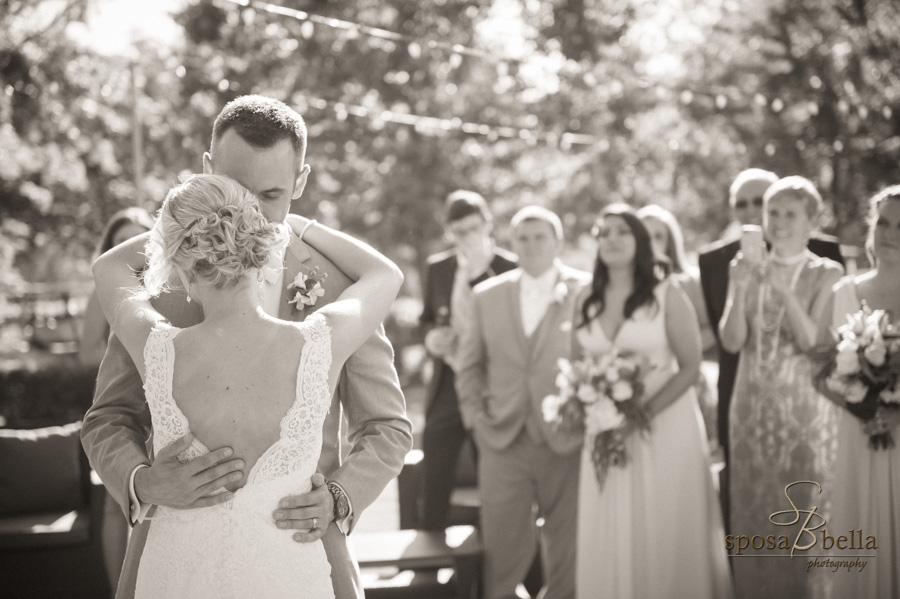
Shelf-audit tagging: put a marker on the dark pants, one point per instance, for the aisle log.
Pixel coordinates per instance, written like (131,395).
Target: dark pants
(728,364)
(442,440)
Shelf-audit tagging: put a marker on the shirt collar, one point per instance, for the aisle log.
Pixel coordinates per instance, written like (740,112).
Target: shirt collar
(543,282)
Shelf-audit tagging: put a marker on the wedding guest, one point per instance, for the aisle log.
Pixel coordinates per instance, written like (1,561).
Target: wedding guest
(867,489)
(521,326)
(745,198)
(449,278)
(261,143)
(664,495)
(123,225)
(780,429)
(240,377)
(668,246)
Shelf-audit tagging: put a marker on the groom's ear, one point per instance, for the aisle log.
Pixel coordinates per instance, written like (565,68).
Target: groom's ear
(207,163)
(300,182)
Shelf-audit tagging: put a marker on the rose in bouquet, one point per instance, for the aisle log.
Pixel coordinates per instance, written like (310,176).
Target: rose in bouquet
(600,396)
(862,368)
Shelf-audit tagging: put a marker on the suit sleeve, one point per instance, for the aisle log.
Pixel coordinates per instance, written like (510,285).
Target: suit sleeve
(117,425)
(428,316)
(379,432)
(708,280)
(471,378)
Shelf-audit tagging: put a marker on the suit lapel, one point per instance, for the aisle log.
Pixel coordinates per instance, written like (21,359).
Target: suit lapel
(551,316)
(295,255)
(515,303)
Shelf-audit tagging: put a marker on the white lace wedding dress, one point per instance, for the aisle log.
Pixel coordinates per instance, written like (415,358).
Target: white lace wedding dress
(234,550)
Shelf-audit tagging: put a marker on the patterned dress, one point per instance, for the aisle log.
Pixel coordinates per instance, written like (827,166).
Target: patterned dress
(781,431)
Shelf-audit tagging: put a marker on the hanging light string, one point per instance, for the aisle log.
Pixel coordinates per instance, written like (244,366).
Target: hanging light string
(421,122)
(343,110)
(719,98)
(350,26)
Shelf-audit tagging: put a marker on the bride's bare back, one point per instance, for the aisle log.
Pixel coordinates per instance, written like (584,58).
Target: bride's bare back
(231,389)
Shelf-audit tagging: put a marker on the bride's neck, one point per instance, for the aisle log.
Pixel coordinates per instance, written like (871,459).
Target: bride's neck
(239,301)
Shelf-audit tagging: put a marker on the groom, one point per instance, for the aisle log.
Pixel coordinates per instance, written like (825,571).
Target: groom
(261,143)
(521,326)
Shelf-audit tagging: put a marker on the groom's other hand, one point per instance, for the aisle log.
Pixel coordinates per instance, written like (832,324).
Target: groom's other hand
(188,485)
(310,513)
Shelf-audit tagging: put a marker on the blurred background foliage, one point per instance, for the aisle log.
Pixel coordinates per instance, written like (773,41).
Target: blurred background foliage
(567,103)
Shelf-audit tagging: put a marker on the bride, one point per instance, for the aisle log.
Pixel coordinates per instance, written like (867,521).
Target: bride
(655,528)
(239,378)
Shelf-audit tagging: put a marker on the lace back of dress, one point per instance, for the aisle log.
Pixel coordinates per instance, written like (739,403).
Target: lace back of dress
(169,423)
(301,428)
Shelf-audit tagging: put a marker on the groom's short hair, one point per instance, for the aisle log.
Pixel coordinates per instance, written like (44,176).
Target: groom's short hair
(261,122)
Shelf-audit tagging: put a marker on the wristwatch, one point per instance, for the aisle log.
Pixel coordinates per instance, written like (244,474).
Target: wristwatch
(341,502)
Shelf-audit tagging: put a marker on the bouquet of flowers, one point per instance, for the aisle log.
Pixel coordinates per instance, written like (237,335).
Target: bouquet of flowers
(600,396)
(862,366)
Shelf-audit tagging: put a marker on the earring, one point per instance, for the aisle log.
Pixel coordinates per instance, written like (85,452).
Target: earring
(189,298)
(259,275)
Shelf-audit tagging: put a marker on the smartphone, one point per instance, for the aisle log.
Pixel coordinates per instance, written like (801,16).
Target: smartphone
(753,246)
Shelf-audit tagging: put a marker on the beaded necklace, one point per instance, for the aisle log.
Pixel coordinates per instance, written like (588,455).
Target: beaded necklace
(797,262)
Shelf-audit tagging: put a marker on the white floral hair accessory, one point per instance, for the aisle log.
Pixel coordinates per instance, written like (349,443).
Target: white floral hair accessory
(309,288)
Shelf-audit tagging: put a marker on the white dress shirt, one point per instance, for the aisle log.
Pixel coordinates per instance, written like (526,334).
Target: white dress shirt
(535,296)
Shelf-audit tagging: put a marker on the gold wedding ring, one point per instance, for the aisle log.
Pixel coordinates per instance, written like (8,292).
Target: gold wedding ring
(315,520)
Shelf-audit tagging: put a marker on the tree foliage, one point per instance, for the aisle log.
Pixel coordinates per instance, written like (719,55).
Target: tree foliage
(567,103)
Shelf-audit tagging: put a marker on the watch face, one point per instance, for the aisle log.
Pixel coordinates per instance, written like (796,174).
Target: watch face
(341,503)
(343,508)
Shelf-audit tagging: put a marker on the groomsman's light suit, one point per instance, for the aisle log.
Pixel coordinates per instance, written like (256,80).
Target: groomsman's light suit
(117,426)
(503,377)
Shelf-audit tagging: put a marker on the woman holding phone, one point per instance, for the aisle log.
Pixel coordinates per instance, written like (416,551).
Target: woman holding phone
(781,430)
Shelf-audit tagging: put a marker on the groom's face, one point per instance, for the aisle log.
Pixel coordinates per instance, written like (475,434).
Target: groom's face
(269,173)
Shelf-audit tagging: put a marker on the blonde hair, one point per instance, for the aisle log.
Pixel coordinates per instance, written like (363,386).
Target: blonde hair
(209,227)
(797,186)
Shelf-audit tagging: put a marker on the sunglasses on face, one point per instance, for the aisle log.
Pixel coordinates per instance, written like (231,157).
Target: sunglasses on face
(742,204)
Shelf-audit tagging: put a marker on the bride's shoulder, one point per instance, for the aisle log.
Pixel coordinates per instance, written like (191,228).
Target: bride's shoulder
(314,327)
(163,329)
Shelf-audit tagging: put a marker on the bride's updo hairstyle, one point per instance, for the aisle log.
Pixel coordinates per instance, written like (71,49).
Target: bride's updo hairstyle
(211,228)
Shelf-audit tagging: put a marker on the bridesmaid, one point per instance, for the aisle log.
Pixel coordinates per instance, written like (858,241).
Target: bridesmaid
(867,497)
(781,429)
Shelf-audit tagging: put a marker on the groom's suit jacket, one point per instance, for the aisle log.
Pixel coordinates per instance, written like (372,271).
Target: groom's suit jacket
(504,375)
(117,428)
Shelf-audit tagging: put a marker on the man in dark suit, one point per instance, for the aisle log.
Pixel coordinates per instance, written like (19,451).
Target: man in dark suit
(746,201)
(448,281)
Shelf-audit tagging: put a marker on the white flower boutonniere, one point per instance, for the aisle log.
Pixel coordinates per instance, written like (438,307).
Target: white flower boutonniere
(309,288)
(560,292)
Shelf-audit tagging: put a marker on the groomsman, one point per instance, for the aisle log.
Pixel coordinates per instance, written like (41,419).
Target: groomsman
(448,281)
(746,201)
(521,325)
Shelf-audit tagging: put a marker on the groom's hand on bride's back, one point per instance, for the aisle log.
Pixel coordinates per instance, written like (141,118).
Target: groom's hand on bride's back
(188,485)
(309,513)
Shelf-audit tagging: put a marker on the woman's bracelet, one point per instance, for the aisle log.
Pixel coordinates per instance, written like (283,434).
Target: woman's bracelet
(306,228)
